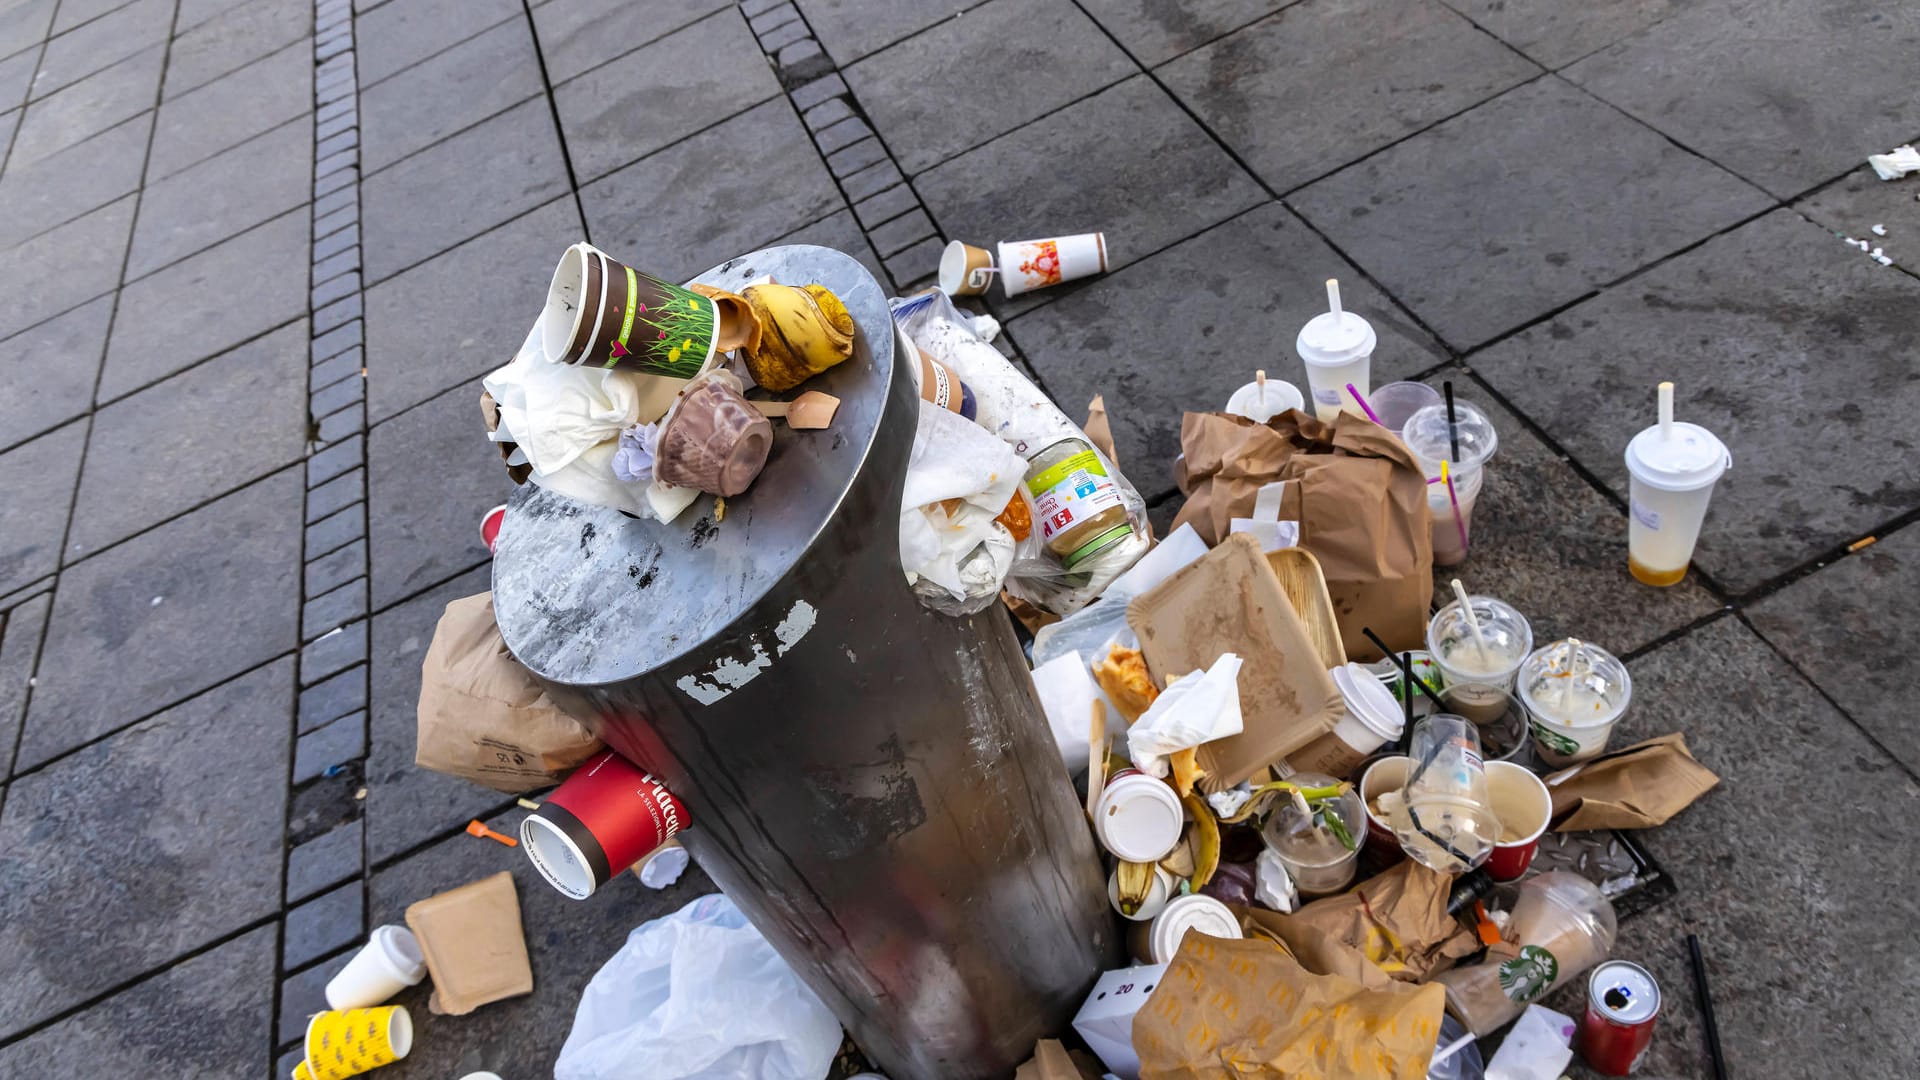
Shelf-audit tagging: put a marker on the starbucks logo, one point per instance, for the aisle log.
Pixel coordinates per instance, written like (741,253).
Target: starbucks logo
(1553,740)
(1528,975)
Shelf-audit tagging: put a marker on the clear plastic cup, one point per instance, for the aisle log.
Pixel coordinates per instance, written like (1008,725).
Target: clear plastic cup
(1575,692)
(1563,924)
(1315,857)
(1507,636)
(1500,716)
(1671,483)
(1444,818)
(1395,403)
(1431,438)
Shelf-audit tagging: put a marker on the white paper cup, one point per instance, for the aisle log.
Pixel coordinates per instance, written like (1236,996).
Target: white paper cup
(1026,265)
(1202,914)
(1138,819)
(388,963)
(1157,895)
(965,270)
(1337,348)
(1671,483)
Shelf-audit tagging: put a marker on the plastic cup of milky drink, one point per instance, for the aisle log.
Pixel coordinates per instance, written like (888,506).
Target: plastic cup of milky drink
(1484,643)
(1673,467)
(1575,693)
(1464,443)
(1337,346)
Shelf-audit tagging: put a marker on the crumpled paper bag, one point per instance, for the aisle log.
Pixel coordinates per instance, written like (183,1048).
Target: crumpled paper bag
(1199,707)
(1394,926)
(1053,1061)
(1230,1010)
(959,478)
(1636,788)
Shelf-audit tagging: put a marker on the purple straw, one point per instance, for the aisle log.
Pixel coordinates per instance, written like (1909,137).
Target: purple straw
(1363,404)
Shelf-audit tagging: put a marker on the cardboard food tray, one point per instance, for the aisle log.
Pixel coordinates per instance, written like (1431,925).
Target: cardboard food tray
(1304,584)
(1230,601)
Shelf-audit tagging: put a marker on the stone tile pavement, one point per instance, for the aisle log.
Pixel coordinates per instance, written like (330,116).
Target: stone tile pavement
(218,575)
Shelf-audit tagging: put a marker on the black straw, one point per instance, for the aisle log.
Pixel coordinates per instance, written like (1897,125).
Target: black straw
(1704,998)
(1453,425)
(1406,729)
(1405,667)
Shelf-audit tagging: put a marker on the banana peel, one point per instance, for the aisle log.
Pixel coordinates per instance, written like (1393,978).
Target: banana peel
(803,331)
(1132,882)
(1204,838)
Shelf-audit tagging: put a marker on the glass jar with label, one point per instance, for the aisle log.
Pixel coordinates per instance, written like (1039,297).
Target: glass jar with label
(1075,503)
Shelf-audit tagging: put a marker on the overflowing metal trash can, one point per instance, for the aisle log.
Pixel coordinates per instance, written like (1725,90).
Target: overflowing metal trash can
(871,782)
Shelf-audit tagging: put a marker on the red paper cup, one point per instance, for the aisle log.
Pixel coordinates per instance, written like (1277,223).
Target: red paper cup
(1523,805)
(606,817)
(1385,774)
(490,526)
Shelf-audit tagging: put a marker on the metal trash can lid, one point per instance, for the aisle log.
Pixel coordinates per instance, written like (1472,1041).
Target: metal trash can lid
(587,596)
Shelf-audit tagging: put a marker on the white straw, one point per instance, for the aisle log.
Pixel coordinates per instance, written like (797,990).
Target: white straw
(1452,1048)
(1333,296)
(1473,623)
(1260,376)
(1666,411)
(1573,673)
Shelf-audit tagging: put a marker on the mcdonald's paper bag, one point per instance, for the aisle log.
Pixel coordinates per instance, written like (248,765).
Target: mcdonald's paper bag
(1395,923)
(1636,788)
(1233,1009)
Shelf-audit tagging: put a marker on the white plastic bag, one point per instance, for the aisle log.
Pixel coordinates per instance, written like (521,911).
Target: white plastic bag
(1199,707)
(959,478)
(698,995)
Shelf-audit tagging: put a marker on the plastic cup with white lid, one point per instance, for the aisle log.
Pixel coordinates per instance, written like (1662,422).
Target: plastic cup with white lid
(1138,818)
(1202,914)
(1672,467)
(1489,656)
(388,963)
(1263,399)
(1337,347)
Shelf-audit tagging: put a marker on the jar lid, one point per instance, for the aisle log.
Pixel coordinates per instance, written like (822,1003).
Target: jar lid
(1690,460)
(1332,338)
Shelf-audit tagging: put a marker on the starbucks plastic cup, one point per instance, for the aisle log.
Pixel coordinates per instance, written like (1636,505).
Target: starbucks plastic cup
(1563,925)
(1505,633)
(1337,347)
(1026,265)
(388,963)
(1672,469)
(1574,692)
(1263,399)
(1384,775)
(1432,438)
(1444,819)
(1138,818)
(1158,894)
(1315,858)
(1499,715)
(1395,403)
(1523,805)
(1371,719)
(1201,914)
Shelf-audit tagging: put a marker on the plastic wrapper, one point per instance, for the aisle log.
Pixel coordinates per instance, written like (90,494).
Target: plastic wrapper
(1233,883)
(1012,408)
(959,479)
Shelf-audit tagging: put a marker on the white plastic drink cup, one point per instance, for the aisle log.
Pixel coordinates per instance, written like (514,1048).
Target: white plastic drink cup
(1673,467)
(388,963)
(1337,347)
(1263,399)
(1026,265)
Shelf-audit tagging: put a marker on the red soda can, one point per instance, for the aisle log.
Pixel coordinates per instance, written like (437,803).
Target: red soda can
(1622,1002)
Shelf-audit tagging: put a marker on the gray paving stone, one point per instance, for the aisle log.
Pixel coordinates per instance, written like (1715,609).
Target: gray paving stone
(339,44)
(339,311)
(807,95)
(334,495)
(126,855)
(1554,33)
(334,143)
(1476,247)
(483,176)
(330,921)
(333,652)
(870,180)
(845,133)
(886,206)
(39,195)
(802,60)
(208,303)
(335,342)
(16,75)
(332,698)
(341,424)
(781,15)
(397,36)
(337,530)
(19,648)
(64,266)
(336,568)
(102,43)
(778,37)
(1822,622)
(232,109)
(305,993)
(461,315)
(559,932)
(334,743)
(54,122)
(36,487)
(257,180)
(689,207)
(344,121)
(1857,202)
(325,403)
(51,368)
(328,860)
(1066,174)
(851,29)
(851,159)
(573,33)
(1781,298)
(1248,285)
(331,266)
(426,522)
(1785,93)
(223,998)
(229,601)
(194,12)
(1326,82)
(921,261)
(341,242)
(334,609)
(8,122)
(233,39)
(826,114)
(442,94)
(408,805)
(74,12)
(958,85)
(24,24)
(222,425)
(1155,33)
(335,460)
(648,101)
(900,233)
(842,233)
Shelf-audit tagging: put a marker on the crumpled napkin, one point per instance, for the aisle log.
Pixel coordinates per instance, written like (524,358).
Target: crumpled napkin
(959,478)
(1896,162)
(1199,707)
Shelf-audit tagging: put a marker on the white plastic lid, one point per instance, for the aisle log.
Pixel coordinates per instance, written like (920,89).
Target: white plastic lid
(1369,701)
(1426,434)
(1249,401)
(400,947)
(1139,819)
(1690,460)
(1202,913)
(1333,338)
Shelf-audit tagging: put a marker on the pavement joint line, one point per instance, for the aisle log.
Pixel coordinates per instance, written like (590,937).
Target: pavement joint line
(388,862)
(267,59)
(559,135)
(1899,762)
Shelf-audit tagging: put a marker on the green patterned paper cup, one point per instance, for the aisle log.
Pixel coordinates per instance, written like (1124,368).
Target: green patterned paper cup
(603,313)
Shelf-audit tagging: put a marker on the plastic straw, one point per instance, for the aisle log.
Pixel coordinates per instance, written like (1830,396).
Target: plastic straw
(1473,621)
(1333,296)
(1452,1048)
(1406,729)
(1362,402)
(1260,378)
(1666,411)
(1458,521)
(1406,668)
(1704,998)
(1453,424)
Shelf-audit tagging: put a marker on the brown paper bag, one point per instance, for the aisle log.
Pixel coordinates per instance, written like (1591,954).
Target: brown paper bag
(1360,499)
(473,943)
(1395,922)
(1636,788)
(1052,1061)
(483,717)
(1229,600)
(1226,1010)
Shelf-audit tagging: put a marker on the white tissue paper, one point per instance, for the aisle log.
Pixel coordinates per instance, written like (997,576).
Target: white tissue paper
(1537,1048)
(954,458)
(1199,707)
(1272,886)
(1228,803)
(1067,690)
(1895,163)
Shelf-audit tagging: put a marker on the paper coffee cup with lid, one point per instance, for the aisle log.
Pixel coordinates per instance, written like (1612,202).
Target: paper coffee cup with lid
(1337,346)
(1138,818)
(1201,914)
(1673,467)
(388,963)
(1263,399)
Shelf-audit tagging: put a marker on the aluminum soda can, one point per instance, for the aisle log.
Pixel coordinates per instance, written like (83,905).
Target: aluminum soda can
(1622,1002)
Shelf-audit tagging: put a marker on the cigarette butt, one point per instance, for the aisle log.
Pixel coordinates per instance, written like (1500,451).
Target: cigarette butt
(1865,541)
(527,804)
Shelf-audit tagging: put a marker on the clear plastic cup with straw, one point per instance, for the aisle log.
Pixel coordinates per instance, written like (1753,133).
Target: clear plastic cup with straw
(1487,658)
(1395,403)
(1673,467)
(1443,817)
(1574,692)
(1452,446)
(1337,347)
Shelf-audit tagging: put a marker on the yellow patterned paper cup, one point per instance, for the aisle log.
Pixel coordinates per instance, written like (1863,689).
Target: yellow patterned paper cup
(348,1042)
